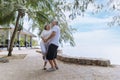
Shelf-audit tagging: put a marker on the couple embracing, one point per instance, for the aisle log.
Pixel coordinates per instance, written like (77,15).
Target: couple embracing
(49,44)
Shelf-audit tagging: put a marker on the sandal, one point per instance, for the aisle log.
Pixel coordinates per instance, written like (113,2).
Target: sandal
(56,67)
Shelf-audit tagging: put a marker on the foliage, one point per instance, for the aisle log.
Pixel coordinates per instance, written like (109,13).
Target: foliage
(113,6)
(39,11)
(79,7)
(34,42)
(22,42)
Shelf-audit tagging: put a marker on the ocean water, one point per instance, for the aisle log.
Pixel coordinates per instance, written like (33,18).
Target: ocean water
(96,43)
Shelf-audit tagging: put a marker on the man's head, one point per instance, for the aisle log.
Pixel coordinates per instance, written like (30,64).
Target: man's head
(54,22)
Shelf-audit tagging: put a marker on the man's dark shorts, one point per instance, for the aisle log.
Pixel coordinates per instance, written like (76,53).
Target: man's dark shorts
(52,52)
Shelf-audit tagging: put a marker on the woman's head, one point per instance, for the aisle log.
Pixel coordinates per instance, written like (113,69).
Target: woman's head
(47,27)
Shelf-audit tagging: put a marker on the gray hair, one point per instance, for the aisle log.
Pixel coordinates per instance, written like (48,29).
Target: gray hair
(55,21)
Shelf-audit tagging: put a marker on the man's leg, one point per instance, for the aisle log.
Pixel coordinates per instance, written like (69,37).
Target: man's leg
(55,63)
(50,57)
(55,56)
(51,63)
(52,66)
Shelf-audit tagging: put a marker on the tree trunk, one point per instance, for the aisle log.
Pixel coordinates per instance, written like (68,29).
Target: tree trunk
(18,36)
(13,35)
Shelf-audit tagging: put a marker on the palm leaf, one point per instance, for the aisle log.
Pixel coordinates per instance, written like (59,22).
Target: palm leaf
(7,19)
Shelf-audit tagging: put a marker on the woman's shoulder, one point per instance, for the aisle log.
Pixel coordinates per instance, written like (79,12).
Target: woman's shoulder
(44,31)
(47,31)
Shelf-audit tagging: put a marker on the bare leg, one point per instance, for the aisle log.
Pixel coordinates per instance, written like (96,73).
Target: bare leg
(45,63)
(55,63)
(52,66)
(51,63)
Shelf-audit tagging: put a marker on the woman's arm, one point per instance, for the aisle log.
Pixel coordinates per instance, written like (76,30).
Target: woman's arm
(42,36)
(43,39)
(51,36)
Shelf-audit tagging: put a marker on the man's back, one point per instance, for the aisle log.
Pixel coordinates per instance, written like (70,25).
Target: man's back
(55,39)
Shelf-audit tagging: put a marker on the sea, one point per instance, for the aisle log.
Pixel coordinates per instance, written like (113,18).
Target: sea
(95,43)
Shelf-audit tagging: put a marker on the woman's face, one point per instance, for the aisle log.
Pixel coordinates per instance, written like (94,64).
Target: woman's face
(48,27)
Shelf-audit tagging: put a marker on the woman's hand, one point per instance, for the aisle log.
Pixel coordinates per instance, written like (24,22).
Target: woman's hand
(45,40)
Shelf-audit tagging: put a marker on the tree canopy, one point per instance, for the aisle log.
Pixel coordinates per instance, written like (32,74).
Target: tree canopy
(39,11)
(79,7)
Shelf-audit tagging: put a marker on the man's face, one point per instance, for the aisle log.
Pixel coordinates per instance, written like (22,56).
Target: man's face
(53,23)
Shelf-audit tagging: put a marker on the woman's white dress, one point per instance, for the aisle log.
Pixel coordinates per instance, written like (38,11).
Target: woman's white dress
(44,45)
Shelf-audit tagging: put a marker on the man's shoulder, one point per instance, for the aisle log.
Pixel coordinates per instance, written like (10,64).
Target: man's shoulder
(56,27)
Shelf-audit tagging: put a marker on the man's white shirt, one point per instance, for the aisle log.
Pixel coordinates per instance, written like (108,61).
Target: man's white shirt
(55,39)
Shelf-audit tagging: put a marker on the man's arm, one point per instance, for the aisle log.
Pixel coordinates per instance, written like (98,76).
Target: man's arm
(51,36)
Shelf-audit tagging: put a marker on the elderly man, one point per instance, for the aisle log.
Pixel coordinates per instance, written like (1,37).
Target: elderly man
(53,45)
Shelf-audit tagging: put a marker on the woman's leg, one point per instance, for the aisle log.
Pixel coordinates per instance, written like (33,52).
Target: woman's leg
(44,51)
(45,62)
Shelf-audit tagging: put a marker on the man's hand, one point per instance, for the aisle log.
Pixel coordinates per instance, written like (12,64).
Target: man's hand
(51,36)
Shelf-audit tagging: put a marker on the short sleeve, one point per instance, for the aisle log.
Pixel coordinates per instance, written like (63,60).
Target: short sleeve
(42,34)
(54,29)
